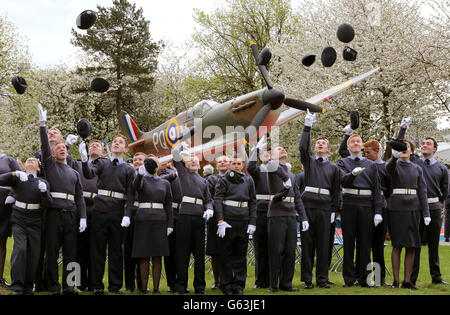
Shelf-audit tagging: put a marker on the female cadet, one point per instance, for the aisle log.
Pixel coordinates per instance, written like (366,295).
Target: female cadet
(153,222)
(407,202)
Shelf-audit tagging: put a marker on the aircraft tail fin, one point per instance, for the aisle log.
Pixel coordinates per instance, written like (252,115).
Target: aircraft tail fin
(129,127)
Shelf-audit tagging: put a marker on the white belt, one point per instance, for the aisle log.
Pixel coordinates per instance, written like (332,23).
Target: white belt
(110,193)
(359,192)
(433,200)
(238,204)
(88,194)
(151,205)
(320,191)
(136,204)
(28,206)
(264,197)
(196,201)
(6,187)
(175,205)
(404,191)
(60,195)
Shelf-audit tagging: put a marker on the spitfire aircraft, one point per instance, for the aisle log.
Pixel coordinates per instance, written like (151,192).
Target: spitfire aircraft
(242,119)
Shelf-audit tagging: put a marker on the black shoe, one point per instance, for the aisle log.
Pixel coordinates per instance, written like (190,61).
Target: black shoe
(290,290)
(215,287)
(408,285)
(200,292)
(70,292)
(18,293)
(185,291)
(55,293)
(330,282)
(395,285)
(4,283)
(171,290)
(324,285)
(447,239)
(272,290)
(350,284)
(115,291)
(238,292)
(308,285)
(227,292)
(98,292)
(129,290)
(141,291)
(156,292)
(439,282)
(28,292)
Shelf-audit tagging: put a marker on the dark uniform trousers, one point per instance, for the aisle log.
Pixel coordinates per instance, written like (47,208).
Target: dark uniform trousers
(282,244)
(190,238)
(357,225)
(83,254)
(131,265)
(447,219)
(61,228)
(260,239)
(169,261)
(26,231)
(233,256)
(106,233)
(331,241)
(316,239)
(40,279)
(430,235)
(379,236)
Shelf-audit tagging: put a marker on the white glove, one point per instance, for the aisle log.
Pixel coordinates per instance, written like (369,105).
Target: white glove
(305,226)
(427,220)
(348,130)
(71,139)
(42,113)
(208,214)
(141,170)
(333,216)
(83,152)
(309,118)
(169,230)
(287,184)
(358,170)
(22,176)
(396,154)
(262,143)
(10,200)
(125,221)
(42,186)
(221,228)
(83,225)
(377,219)
(406,121)
(251,229)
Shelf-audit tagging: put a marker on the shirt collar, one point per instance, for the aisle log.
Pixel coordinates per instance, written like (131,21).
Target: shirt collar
(112,158)
(379,161)
(359,156)
(325,158)
(432,160)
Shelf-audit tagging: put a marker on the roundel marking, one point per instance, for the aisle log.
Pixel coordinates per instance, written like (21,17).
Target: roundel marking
(172,132)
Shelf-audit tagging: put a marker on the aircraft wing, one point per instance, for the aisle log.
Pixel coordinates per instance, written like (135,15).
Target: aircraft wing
(292,113)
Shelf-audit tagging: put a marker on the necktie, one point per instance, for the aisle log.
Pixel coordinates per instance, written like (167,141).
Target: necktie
(30,176)
(357,159)
(115,162)
(320,159)
(427,161)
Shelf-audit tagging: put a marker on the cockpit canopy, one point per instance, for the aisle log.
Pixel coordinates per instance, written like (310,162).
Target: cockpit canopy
(200,109)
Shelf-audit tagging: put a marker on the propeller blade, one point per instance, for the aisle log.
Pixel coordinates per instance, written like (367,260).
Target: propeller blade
(262,68)
(257,121)
(302,105)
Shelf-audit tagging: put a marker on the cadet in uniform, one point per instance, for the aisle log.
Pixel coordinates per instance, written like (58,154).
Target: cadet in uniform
(406,205)
(61,218)
(235,207)
(321,201)
(282,222)
(31,195)
(154,222)
(112,207)
(96,151)
(436,178)
(196,206)
(361,209)
(259,175)
(212,244)
(7,164)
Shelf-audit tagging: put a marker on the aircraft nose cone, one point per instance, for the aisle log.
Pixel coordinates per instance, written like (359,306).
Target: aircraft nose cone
(274,97)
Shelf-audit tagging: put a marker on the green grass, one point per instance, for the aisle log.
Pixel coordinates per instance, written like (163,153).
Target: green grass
(424,281)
